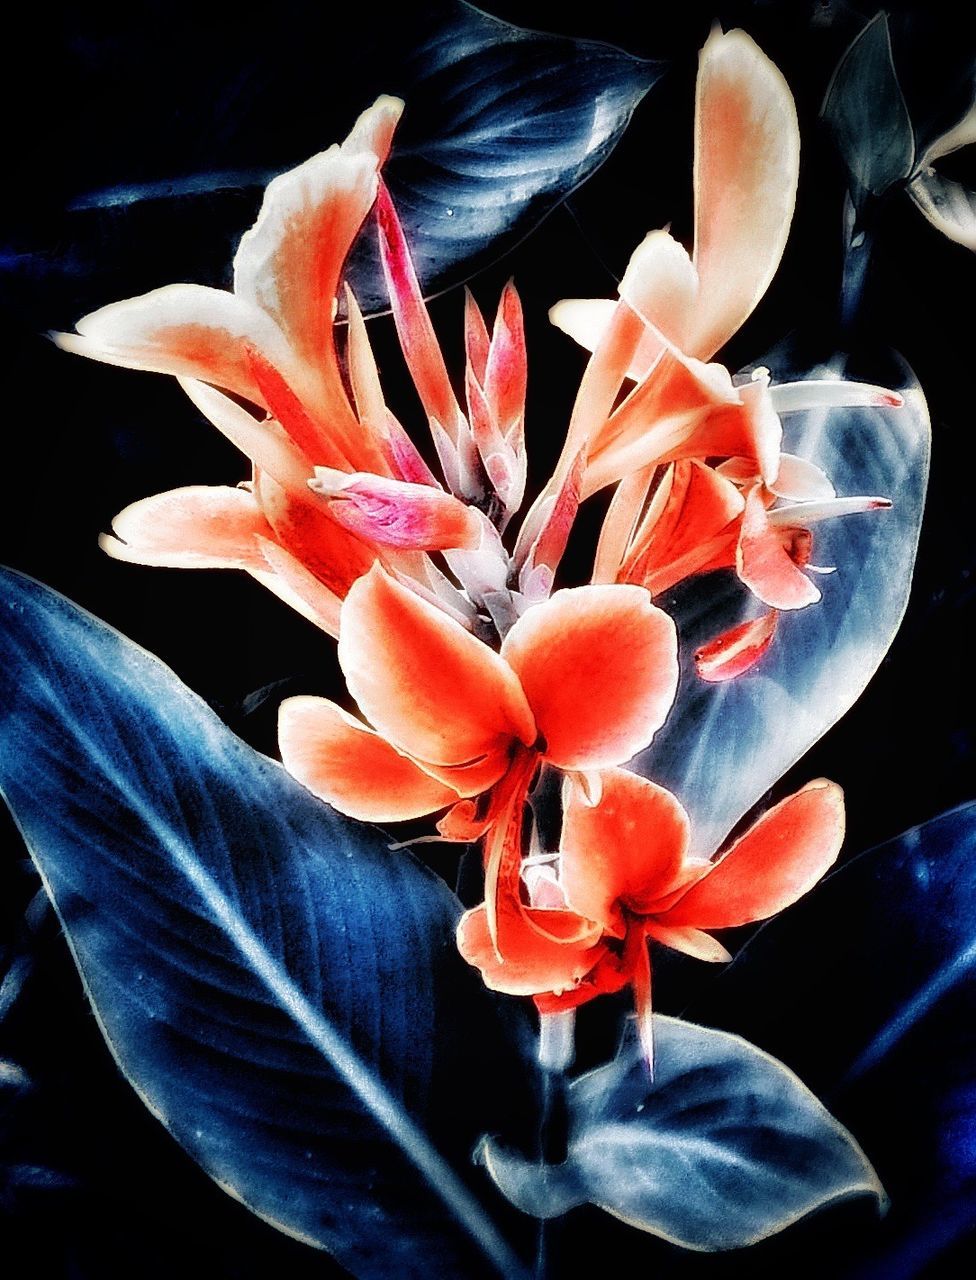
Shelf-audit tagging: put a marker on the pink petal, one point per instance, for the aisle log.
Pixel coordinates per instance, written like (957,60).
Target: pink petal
(747,147)
(764,563)
(199,527)
(506,370)
(599,668)
(392,513)
(737,650)
(778,860)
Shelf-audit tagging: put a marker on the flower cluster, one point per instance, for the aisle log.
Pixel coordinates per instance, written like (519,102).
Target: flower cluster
(473,675)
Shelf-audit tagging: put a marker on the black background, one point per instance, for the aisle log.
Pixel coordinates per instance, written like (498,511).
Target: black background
(88,1183)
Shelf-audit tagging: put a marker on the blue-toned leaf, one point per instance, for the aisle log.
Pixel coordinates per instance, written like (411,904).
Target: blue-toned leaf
(501,124)
(948,205)
(867,988)
(282,991)
(866,111)
(724,1147)
(724,745)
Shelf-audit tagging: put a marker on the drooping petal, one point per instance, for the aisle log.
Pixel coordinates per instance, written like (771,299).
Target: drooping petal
(393,513)
(736,650)
(765,565)
(429,686)
(693,942)
(599,668)
(626,852)
(778,860)
(185,329)
(199,527)
(827,393)
(298,587)
(345,763)
(747,148)
(533,960)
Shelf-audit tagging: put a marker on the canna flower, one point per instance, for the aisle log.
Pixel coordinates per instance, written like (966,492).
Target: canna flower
(583,682)
(271,342)
(626,874)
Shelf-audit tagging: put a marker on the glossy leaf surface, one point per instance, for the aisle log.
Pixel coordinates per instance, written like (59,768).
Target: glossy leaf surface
(281,990)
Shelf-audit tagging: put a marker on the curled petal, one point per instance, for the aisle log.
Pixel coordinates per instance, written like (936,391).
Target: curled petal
(693,942)
(183,329)
(799,480)
(626,853)
(429,686)
(747,151)
(345,763)
(662,287)
(199,527)
(765,564)
(393,513)
(778,860)
(599,667)
(533,960)
(737,650)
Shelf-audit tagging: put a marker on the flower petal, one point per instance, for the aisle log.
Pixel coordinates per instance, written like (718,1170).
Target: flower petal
(737,650)
(628,851)
(693,942)
(345,763)
(429,686)
(393,513)
(199,527)
(747,149)
(298,587)
(534,960)
(184,329)
(765,565)
(778,860)
(599,667)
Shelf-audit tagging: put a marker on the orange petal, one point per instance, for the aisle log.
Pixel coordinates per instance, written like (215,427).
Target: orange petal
(429,686)
(777,861)
(373,131)
(505,371)
(199,527)
(184,329)
(747,149)
(599,667)
(737,650)
(298,587)
(534,960)
(627,851)
(345,763)
(765,565)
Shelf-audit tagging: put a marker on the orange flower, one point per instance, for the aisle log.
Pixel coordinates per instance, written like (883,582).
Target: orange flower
(626,875)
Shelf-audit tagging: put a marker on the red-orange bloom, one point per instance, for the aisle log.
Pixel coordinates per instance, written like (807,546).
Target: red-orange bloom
(626,874)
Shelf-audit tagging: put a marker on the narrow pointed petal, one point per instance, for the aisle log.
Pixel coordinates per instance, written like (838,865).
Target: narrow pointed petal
(428,685)
(627,852)
(620,524)
(347,765)
(373,131)
(547,550)
(747,148)
(199,527)
(825,393)
(693,942)
(265,443)
(534,961)
(298,587)
(806,513)
(420,346)
(476,339)
(778,860)
(289,263)
(764,564)
(363,373)
(183,329)
(392,513)
(737,650)
(506,369)
(599,668)
(406,460)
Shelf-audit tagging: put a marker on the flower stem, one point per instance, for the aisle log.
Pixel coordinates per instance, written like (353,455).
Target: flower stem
(555,1055)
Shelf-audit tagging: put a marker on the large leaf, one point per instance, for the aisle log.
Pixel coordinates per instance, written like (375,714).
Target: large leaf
(866,111)
(866,988)
(723,1148)
(724,745)
(283,991)
(501,124)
